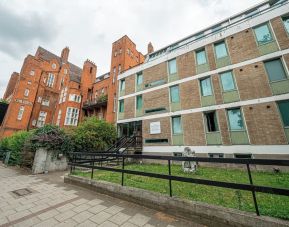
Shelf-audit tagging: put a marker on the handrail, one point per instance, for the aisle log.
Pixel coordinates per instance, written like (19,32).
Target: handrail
(239,186)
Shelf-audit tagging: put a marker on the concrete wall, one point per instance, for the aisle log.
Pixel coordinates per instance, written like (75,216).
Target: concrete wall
(44,160)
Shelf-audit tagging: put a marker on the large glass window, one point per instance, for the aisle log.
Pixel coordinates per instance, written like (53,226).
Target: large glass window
(263,34)
(139,102)
(227,81)
(275,70)
(50,80)
(286,23)
(201,57)
(139,78)
(121,106)
(235,119)
(41,119)
(211,122)
(284,111)
(122,85)
(206,87)
(58,118)
(20,113)
(221,50)
(172,66)
(177,125)
(175,94)
(71,117)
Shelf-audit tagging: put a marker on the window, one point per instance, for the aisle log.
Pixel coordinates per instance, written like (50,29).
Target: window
(65,71)
(75,98)
(26,92)
(29,82)
(284,111)
(156,140)
(221,50)
(139,102)
(286,23)
(114,75)
(206,87)
(211,122)
(39,99)
(216,155)
(201,57)
(71,117)
(275,70)
(114,103)
(160,109)
(263,34)
(177,125)
(235,119)
(58,117)
(122,85)
(243,155)
(32,73)
(50,80)
(41,119)
(139,78)
(175,94)
(45,102)
(227,81)
(120,51)
(121,106)
(20,113)
(172,66)
(63,95)
(119,69)
(53,66)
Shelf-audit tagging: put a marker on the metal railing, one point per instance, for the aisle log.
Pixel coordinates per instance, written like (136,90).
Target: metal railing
(78,161)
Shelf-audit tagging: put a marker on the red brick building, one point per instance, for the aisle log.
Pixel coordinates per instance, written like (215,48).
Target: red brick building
(51,90)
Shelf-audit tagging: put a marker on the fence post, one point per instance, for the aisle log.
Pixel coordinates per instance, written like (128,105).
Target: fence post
(253,190)
(170,181)
(122,173)
(92,170)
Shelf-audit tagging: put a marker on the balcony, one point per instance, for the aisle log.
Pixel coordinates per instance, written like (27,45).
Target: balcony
(100,101)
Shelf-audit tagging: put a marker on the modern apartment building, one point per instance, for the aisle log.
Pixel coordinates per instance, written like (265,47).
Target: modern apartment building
(223,91)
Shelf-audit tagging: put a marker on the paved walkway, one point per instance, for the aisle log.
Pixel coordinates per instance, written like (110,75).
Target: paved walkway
(50,202)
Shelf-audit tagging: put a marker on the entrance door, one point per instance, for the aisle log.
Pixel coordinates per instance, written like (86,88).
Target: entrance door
(130,129)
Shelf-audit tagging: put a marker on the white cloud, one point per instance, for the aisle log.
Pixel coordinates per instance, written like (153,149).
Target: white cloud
(90,27)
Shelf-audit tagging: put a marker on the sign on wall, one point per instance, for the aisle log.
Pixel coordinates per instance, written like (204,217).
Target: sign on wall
(155,127)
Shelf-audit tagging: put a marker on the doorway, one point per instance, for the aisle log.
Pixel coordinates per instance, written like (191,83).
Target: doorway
(130,129)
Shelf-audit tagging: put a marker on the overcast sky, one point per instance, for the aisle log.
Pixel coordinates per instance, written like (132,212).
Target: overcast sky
(89,27)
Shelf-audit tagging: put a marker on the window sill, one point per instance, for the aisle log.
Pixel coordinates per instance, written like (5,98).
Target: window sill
(272,41)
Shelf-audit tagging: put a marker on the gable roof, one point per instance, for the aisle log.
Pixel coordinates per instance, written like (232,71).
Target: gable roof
(74,71)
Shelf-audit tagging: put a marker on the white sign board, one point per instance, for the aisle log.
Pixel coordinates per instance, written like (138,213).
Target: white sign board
(155,127)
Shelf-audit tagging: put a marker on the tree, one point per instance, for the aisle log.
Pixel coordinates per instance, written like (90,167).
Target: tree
(94,135)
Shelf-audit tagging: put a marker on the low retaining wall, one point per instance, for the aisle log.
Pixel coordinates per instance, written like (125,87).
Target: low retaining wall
(202,213)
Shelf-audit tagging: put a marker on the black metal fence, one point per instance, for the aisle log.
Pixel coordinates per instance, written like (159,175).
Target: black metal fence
(96,161)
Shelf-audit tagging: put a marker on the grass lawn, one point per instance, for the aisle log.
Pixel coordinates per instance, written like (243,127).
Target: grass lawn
(269,205)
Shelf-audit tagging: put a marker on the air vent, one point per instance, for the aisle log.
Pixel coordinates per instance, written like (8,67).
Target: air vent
(161,109)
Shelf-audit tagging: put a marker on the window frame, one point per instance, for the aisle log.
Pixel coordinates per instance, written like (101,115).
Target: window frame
(20,113)
(242,118)
(137,76)
(233,78)
(71,116)
(283,22)
(215,118)
(169,69)
(122,85)
(181,126)
(226,48)
(206,57)
(270,31)
(283,66)
(121,104)
(137,102)
(201,88)
(41,119)
(171,97)
(26,92)
(280,113)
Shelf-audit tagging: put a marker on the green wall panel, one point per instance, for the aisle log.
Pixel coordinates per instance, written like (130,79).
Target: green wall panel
(173,77)
(178,140)
(268,48)
(121,93)
(231,96)
(287,133)
(280,87)
(139,87)
(120,116)
(208,100)
(213,138)
(175,106)
(223,62)
(239,137)
(203,68)
(139,113)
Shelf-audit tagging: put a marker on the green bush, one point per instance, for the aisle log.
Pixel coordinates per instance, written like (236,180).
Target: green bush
(93,135)
(52,138)
(15,144)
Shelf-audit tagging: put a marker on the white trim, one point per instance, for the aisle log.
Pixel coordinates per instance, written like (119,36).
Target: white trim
(216,71)
(210,108)
(252,22)
(233,149)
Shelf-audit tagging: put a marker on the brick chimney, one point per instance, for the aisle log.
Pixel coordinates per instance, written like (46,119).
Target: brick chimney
(65,54)
(150,48)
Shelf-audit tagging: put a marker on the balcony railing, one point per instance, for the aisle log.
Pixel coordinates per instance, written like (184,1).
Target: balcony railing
(96,102)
